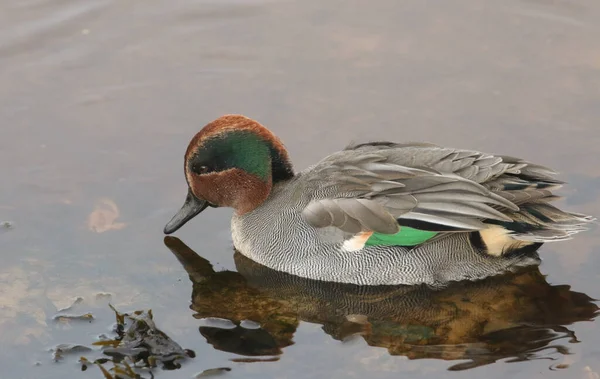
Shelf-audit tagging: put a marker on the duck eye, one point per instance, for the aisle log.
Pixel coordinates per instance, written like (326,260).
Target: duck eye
(200,169)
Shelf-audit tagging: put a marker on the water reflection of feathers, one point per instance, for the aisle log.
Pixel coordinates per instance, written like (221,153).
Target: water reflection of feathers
(515,316)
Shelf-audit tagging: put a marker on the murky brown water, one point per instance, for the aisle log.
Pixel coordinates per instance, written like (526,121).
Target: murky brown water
(98,100)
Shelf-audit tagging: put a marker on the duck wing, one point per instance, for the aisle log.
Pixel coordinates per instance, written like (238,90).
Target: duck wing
(381,186)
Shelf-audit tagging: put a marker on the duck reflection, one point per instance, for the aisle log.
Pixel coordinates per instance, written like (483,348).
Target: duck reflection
(513,316)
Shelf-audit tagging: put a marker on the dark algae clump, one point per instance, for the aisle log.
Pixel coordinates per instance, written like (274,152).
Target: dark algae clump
(137,348)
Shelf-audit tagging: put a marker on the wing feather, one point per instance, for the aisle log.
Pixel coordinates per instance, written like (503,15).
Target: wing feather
(379,186)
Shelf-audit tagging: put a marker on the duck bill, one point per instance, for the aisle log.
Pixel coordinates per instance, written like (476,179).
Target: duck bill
(188,211)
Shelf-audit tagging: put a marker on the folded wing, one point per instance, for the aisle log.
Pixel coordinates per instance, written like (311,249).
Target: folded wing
(381,186)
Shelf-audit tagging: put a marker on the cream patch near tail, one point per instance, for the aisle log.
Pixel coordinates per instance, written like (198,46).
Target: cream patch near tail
(499,240)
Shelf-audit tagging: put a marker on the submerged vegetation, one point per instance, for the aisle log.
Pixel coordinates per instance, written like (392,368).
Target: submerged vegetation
(134,351)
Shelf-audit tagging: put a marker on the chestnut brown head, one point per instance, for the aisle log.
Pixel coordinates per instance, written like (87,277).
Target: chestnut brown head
(232,162)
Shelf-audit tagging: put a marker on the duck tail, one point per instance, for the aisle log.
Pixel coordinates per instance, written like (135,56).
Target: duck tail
(534,224)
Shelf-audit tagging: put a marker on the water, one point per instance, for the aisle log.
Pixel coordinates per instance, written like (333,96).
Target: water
(99,99)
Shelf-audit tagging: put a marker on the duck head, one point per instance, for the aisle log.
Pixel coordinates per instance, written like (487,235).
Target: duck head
(232,162)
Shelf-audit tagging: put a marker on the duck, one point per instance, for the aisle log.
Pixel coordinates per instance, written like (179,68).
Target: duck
(374,213)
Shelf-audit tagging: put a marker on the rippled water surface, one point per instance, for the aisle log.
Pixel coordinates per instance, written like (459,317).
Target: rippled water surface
(99,98)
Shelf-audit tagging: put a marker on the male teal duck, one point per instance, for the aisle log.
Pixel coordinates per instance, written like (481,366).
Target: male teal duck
(378,213)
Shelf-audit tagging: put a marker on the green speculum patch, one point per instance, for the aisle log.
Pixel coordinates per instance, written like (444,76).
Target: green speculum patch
(405,237)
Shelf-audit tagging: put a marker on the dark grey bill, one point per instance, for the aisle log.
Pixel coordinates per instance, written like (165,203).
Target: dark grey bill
(190,208)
